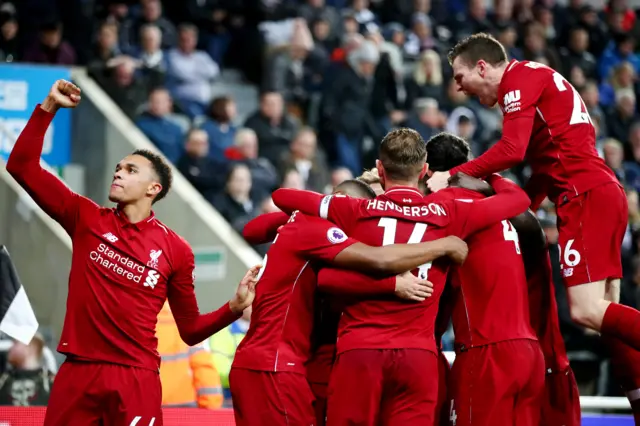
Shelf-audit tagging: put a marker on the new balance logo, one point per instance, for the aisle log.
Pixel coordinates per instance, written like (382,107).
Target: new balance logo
(109,236)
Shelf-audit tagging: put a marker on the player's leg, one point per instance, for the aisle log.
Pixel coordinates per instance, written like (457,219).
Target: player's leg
(76,396)
(135,396)
(320,392)
(529,361)
(590,238)
(355,388)
(443,404)
(484,385)
(561,401)
(267,398)
(410,395)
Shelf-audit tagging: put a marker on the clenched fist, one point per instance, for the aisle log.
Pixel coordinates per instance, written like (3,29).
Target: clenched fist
(63,94)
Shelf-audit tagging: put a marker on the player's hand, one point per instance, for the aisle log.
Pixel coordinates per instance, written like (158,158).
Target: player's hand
(438,181)
(462,180)
(456,249)
(63,94)
(410,287)
(246,291)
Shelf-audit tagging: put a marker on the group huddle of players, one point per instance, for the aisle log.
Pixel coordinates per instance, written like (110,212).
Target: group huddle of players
(358,286)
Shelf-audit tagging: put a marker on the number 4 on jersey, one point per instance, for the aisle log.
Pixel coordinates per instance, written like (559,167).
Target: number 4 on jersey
(389,237)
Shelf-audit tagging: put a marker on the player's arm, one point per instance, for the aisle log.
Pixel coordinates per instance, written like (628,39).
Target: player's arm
(336,207)
(193,326)
(508,202)
(49,192)
(264,228)
(351,283)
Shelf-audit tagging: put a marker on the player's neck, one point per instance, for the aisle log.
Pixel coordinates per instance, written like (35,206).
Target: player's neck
(389,184)
(135,212)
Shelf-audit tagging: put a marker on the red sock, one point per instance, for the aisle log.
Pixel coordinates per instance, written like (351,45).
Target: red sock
(625,366)
(622,322)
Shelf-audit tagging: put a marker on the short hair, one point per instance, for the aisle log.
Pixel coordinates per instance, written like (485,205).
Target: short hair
(370,177)
(218,109)
(356,188)
(446,151)
(402,154)
(187,27)
(161,168)
(479,46)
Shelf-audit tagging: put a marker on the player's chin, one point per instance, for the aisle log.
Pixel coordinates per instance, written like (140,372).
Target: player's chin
(114,197)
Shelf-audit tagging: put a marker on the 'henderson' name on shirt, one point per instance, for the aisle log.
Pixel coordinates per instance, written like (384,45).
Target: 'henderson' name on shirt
(413,211)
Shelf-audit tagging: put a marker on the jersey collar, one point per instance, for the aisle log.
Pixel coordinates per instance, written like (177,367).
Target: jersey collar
(140,226)
(405,189)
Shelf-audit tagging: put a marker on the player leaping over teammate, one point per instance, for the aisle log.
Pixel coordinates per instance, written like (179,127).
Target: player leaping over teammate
(546,123)
(125,264)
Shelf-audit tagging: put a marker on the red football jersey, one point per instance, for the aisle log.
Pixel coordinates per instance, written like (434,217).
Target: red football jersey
(546,121)
(404,215)
(121,272)
(279,336)
(490,288)
(544,313)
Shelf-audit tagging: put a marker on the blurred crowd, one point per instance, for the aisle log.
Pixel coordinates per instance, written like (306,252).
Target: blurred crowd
(334,76)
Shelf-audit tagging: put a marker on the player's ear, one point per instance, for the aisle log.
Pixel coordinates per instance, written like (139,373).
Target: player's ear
(154,189)
(425,169)
(481,67)
(380,172)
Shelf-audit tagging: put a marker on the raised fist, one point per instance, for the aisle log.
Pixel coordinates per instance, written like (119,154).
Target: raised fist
(64,94)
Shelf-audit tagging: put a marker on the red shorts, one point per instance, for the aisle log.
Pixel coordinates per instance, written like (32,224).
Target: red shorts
(443,406)
(498,384)
(591,228)
(561,401)
(320,392)
(90,393)
(386,386)
(268,398)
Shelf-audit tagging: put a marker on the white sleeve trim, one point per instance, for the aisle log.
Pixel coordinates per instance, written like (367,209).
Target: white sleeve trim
(324,206)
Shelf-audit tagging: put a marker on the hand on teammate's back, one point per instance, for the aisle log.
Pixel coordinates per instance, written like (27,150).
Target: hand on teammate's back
(63,94)
(438,181)
(462,180)
(410,287)
(456,249)
(246,291)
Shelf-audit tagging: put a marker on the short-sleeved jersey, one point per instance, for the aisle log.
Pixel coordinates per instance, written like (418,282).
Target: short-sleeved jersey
(279,336)
(544,312)
(561,151)
(490,302)
(400,215)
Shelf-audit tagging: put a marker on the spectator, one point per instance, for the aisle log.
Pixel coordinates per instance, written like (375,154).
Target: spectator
(235,204)
(205,173)
(620,49)
(426,80)
(536,48)
(322,34)
(624,77)
(338,175)
(50,48)
(128,92)
(473,21)
(365,18)
(346,104)
(151,13)
(507,35)
(576,55)
(632,165)
(502,16)
(316,10)
(275,128)
(106,52)
(427,119)
(219,125)
(598,37)
(292,179)
(245,150)
(155,124)
(303,157)
(9,43)
(544,17)
(223,345)
(421,36)
(591,97)
(27,381)
(188,375)
(152,62)
(614,156)
(190,73)
(620,120)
